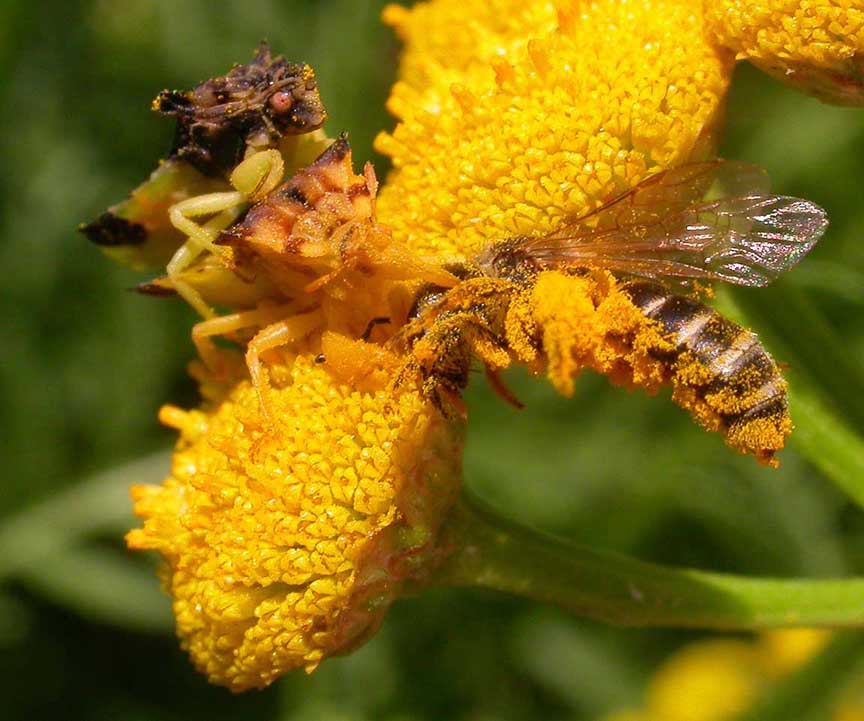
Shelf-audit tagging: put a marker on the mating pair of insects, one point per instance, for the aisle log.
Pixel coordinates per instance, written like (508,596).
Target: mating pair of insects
(307,255)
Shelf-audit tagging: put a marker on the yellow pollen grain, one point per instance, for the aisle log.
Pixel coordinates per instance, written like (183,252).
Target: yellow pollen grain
(589,322)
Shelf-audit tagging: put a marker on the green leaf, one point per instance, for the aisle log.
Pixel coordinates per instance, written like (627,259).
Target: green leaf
(104,587)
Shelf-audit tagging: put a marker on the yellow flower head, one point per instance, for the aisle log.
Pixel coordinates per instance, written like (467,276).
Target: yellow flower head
(816,45)
(514,115)
(286,535)
(286,545)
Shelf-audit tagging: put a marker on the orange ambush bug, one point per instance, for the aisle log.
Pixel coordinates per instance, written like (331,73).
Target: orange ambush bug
(325,260)
(656,240)
(309,256)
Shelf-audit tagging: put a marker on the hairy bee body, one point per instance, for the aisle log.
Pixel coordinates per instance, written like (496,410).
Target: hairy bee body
(734,361)
(738,378)
(719,371)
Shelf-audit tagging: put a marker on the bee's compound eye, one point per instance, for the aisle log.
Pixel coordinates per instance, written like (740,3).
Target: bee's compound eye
(281,102)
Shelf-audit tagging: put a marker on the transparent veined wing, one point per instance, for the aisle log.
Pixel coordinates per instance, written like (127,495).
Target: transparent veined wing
(713,220)
(668,193)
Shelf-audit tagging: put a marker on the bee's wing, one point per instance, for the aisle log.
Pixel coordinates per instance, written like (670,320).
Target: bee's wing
(668,193)
(663,228)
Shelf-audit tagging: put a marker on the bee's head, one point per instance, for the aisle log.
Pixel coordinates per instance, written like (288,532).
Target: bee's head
(507,259)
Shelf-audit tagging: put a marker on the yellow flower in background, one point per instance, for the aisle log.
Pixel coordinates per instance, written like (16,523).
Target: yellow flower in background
(705,681)
(513,116)
(286,545)
(781,652)
(717,679)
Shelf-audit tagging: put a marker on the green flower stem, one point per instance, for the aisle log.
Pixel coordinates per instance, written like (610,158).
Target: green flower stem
(489,552)
(811,693)
(825,438)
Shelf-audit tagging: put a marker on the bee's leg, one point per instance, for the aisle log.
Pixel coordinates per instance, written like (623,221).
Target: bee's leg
(446,396)
(493,375)
(282,332)
(373,323)
(446,351)
(442,358)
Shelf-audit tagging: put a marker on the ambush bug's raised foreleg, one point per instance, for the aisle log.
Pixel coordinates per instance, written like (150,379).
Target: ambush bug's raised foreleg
(253,179)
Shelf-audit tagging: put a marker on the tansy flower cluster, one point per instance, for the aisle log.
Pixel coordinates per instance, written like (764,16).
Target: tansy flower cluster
(719,679)
(300,503)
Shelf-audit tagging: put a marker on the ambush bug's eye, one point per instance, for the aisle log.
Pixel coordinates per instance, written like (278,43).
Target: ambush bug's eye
(281,102)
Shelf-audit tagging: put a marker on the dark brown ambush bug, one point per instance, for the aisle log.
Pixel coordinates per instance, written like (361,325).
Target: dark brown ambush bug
(253,105)
(267,103)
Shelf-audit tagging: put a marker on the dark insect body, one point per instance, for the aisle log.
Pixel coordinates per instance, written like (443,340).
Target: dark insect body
(736,364)
(253,105)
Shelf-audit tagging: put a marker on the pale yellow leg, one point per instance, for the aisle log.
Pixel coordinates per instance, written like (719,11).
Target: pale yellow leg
(253,179)
(259,174)
(283,332)
(201,237)
(223,325)
(182,213)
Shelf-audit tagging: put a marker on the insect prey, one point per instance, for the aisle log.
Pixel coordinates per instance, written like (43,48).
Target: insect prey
(707,221)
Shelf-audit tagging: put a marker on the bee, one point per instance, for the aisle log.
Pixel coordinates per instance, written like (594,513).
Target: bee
(704,221)
(266,104)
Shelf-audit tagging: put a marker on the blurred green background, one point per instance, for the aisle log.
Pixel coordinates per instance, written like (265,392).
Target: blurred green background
(85,632)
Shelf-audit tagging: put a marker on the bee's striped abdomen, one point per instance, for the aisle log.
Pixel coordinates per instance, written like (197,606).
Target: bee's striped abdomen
(720,371)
